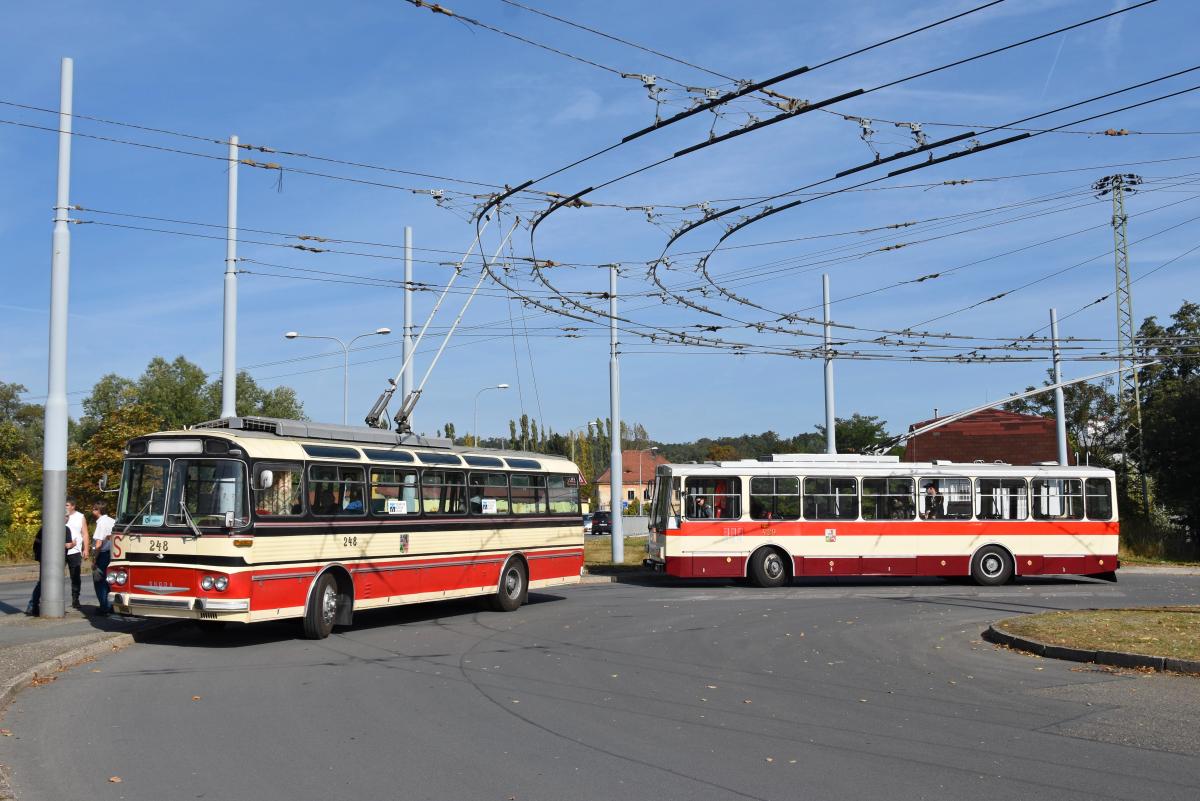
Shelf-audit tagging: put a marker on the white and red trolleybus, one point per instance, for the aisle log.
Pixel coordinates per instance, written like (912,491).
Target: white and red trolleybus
(251,519)
(835,515)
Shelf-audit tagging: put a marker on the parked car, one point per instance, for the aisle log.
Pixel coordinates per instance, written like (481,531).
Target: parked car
(602,523)
(587,523)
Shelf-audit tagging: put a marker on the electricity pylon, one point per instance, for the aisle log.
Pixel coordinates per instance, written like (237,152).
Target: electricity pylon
(1128,393)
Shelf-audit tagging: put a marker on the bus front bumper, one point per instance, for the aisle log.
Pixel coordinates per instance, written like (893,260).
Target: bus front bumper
(196,608)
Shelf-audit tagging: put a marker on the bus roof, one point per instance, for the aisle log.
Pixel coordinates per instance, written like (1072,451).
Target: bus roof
(790,464)
(277,438)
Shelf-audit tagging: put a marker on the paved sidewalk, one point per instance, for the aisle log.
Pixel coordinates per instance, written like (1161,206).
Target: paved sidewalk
(36,648)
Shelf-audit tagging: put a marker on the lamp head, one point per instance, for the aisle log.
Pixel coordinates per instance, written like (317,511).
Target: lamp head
(502,386)
(291,335)
(383,330)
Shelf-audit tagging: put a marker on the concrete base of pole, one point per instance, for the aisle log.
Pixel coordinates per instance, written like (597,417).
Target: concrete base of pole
(54,556)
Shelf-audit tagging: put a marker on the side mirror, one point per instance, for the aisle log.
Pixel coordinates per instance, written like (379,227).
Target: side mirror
(265,479)
(229,520)
(103,484)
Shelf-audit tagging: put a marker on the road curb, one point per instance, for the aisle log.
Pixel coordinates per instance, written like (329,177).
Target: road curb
(1123,659)
(74,656)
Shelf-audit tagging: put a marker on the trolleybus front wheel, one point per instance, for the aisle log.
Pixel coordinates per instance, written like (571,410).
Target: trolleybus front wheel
(322,608)
(992,566)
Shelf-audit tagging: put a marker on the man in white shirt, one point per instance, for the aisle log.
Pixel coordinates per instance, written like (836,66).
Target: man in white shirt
(77,523)
(101,555)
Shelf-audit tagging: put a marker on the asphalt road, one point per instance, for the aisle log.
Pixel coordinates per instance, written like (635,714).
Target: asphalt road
(870,689)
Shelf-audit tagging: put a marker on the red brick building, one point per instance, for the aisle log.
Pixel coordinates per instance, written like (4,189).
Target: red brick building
(991,435)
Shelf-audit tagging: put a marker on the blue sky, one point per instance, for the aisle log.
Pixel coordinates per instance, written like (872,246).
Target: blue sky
(386,84)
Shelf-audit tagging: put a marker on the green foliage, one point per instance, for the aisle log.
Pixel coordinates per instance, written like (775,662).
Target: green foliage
(103,451)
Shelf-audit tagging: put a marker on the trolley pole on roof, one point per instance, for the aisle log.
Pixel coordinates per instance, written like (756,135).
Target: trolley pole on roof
(614,424)
(830,419)
(406,379)
(1060,416)
(54,442)
(229,334)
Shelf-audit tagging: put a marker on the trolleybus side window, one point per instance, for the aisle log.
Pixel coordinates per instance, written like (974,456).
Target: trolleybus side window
(489,493)
(335,491)
(775,498)
(1001,499)
(1098,498)
(716,497)
(528,494)
(394,491)
(1057,499)
(830,498)
(444,492)
(285,495)
(888,499)
(666,503)
(564,494)
(946,498)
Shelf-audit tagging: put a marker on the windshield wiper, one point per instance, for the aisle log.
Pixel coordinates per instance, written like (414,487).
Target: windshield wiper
(133,519)
(187,516)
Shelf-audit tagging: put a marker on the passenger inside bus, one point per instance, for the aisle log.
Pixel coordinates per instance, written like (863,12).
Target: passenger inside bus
(701,507)
(934,503)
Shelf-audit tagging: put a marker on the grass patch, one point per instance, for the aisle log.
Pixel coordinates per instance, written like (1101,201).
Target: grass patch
(1172,631)
(597,552)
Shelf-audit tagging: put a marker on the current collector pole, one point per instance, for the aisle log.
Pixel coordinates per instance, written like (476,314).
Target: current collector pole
(406,379)
(54,457)
(615,467)
(1060,416)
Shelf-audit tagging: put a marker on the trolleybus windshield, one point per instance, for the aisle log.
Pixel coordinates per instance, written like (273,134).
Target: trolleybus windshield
(143,492)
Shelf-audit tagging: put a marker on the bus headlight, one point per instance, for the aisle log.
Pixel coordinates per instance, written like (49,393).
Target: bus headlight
(206,583)
(222,583)
(117,578)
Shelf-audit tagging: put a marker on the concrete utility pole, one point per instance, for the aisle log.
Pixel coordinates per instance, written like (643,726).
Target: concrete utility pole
(1060,415)
(1128,391)
(229,337)
(614,425)
(406,379)
(830,418)
(54,442)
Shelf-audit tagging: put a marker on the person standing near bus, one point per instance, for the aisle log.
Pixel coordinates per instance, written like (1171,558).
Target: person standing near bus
(77,523)
(101,555)
(35,601)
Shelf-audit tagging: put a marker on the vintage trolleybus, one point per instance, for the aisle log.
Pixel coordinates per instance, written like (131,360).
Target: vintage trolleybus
(250,519)
(824,515)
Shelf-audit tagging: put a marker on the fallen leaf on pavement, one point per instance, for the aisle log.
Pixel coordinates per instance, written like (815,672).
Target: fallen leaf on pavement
(114,779)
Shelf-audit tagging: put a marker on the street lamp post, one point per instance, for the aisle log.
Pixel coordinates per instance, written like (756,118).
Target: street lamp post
(475,416)
(345,361)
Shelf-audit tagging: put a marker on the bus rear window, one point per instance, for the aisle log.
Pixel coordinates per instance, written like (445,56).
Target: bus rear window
(1098,498)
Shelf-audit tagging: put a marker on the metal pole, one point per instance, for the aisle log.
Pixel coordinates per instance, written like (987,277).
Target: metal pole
(614,424)
(54,458)
(406,378)
(345,382)
(229,338)
(830,419)
(1060,415)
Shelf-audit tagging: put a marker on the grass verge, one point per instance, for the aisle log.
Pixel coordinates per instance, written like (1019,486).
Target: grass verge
(1172,631)
(597,552)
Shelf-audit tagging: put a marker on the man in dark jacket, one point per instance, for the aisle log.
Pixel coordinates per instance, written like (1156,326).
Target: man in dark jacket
(35,601)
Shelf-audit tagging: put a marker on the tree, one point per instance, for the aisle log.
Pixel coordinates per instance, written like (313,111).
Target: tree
(1090,411)
(103,452)
(253,400)
(449,429)
(1171,428)
(722,453)
(512,434)
(857,433)
(524,432)
(174,392)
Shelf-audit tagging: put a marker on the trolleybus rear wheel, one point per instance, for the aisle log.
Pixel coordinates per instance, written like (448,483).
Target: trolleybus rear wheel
(768,568)
(322,609)
(992,566)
